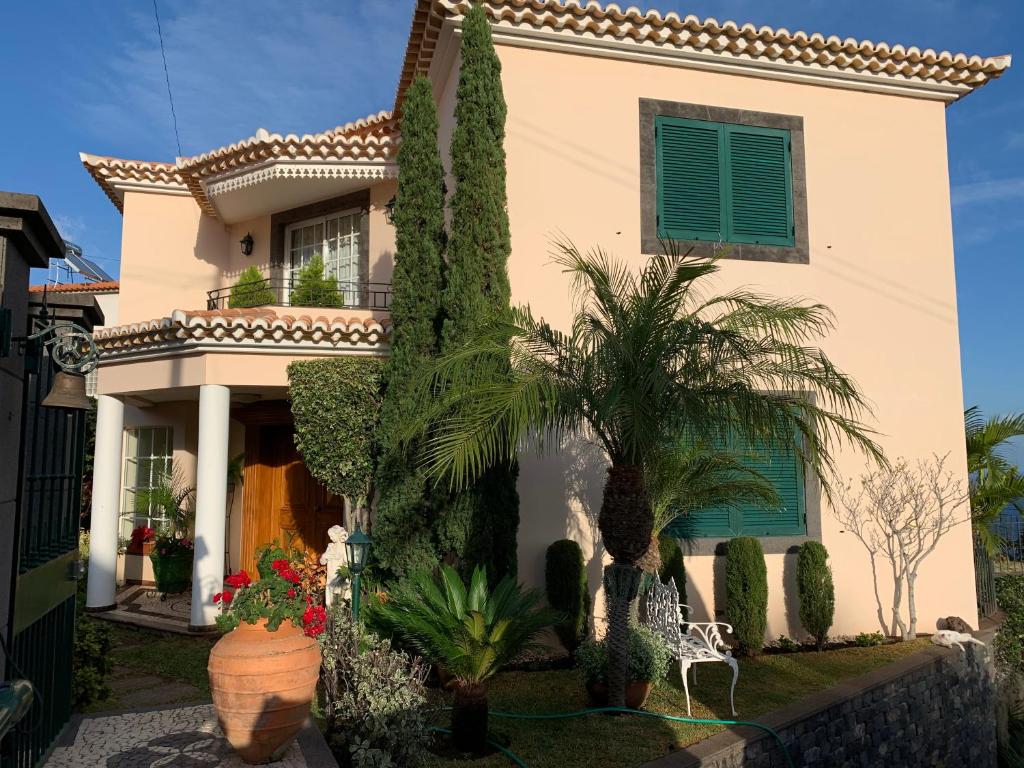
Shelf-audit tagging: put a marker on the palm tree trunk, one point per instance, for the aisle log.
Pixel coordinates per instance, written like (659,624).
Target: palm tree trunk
(469,717)
(626,521)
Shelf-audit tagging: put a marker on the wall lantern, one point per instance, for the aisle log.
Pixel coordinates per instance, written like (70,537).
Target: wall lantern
(389,211)
(358,549)
(246,243)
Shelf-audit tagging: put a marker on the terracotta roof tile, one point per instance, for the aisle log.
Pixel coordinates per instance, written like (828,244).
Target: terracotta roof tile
(259,327)
(103,286)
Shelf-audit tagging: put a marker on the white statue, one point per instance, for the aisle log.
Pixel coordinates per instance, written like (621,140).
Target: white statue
(335,557)
(950,639)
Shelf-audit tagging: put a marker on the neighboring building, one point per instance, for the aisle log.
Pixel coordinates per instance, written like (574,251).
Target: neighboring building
(823,174)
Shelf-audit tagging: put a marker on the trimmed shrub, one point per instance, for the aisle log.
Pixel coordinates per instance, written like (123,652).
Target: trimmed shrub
(1009,641)
(565,578)
(673,567)
(314,289)
(746,593)
(817,595)
(90,659)
(251,290)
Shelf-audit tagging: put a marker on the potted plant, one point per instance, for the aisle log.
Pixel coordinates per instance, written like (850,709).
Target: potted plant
(172,562)
(648,663)
(141,541)
(172,550)
(264,670)
(470,633)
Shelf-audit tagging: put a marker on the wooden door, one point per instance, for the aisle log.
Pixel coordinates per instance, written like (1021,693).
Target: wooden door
(282,501)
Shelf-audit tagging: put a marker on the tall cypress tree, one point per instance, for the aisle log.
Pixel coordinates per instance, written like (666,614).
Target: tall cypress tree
(404,529)
(480,524)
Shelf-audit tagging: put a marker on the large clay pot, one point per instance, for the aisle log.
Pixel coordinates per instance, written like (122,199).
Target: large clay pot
(636,693)
(262,685)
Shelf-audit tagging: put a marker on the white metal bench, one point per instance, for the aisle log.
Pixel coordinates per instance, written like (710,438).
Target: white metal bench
(691,642)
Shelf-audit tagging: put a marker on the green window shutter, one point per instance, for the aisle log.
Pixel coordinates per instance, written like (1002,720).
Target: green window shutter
(760,186)
(689,165)
(779,465)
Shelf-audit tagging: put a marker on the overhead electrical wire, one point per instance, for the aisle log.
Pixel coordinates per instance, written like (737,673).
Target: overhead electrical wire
(167,77)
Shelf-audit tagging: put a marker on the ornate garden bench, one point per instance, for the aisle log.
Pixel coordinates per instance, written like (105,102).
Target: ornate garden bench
(691,642)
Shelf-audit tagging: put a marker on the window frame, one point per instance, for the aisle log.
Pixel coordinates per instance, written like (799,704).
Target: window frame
(129,518)
(350,295)
(651,243)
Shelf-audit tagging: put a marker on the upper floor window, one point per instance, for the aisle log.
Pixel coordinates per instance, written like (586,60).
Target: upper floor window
(724,182)
(335,239)
(721,181)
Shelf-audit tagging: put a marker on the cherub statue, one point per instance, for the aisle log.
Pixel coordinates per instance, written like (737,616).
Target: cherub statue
(335,557)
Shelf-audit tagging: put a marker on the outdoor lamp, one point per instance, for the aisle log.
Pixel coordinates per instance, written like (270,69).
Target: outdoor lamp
(389,210)
(358,547)
(246,243)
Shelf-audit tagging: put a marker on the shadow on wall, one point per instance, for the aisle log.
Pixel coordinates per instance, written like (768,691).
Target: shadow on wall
(791,595)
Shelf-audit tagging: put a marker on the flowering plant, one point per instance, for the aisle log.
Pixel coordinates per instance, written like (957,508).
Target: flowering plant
(279,593)
(140,535)
(168,544)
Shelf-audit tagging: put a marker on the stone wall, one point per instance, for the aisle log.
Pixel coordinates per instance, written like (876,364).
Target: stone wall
(934,708)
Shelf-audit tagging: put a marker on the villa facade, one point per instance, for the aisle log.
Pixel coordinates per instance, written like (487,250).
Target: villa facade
(816,166)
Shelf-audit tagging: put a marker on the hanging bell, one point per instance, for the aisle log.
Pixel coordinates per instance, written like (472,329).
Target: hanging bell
(67,391)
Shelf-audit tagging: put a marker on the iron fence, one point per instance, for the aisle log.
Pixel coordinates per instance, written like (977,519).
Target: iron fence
(984,579)
(338,294)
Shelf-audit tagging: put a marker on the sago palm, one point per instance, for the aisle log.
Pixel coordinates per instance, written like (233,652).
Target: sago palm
(996,484)
(470,633)
(649,357)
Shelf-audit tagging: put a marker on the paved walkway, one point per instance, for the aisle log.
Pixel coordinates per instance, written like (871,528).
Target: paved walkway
(179,737)
(143,607)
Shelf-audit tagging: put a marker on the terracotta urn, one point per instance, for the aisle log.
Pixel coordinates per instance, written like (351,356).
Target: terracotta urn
(636,693)
(262,685)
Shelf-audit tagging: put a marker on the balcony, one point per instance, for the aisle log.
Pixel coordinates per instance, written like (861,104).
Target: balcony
(279,293)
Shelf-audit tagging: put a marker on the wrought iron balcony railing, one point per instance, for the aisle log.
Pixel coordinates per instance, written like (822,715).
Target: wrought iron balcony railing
(269,292)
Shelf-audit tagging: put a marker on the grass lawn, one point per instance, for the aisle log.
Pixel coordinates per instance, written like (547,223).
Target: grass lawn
(600,741)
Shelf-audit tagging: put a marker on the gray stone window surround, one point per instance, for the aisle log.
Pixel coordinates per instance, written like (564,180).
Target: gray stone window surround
(651,244)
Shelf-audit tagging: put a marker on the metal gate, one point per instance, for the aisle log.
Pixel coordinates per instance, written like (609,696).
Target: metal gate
(984,580)
(44,608)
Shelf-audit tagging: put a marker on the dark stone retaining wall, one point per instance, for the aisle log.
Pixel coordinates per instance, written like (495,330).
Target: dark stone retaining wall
(934,708)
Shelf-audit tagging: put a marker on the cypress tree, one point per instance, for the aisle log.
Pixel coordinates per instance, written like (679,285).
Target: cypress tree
(480,524)
(251,290)
(817,594)
(404,528)
(313,288)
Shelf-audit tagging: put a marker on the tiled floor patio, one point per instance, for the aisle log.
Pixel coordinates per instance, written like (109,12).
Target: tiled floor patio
(142,607)
(181,737)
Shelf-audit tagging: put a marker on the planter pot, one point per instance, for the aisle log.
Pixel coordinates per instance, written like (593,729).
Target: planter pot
(469,718)
(262,685)
(173,572)
(636,694)
(145,548)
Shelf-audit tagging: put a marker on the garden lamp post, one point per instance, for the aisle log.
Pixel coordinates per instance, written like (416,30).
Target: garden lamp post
(358,546)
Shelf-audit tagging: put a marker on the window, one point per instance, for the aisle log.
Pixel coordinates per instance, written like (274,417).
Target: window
(783,468)
(336,239)
(723,182)
(147,457)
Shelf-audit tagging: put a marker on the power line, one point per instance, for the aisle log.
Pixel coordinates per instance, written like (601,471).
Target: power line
(167,77)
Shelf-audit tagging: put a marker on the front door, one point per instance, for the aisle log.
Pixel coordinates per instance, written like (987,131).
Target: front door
(281,500)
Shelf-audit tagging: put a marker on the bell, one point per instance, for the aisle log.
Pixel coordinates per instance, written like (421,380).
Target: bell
(67,391)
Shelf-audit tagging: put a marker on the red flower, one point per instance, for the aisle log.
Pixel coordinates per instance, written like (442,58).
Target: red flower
(224,597)
(314,630)
(291,593)
(279,565)
(289,575)
(309,599)
(238,580)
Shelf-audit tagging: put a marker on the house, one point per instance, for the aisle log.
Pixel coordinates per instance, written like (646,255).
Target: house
(816,165)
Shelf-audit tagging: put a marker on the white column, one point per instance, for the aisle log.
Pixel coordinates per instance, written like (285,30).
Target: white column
(211,502)
(106,503)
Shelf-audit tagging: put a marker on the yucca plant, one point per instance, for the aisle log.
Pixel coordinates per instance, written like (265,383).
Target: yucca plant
(470,633)
(650,356)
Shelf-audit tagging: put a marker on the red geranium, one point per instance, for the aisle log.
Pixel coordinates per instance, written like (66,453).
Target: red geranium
(223,597)
(238,580)
(142,534)
(314,620)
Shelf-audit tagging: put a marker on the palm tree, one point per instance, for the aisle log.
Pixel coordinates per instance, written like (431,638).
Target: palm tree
(996,484)
(470,633)
(649,357)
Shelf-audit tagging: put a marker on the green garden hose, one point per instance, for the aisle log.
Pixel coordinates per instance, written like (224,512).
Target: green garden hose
(623,710)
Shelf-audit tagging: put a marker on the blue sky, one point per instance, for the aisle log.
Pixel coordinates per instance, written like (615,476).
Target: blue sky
(89,78)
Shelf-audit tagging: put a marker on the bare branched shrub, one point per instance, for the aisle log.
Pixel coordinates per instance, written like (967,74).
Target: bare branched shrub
(900,513)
